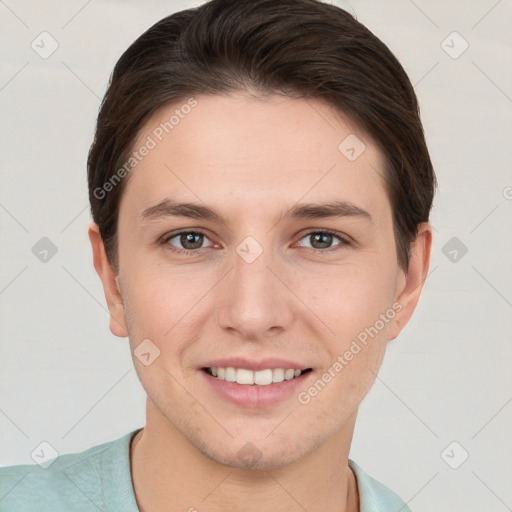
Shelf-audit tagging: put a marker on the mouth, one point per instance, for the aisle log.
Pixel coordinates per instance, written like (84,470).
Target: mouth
(246,377)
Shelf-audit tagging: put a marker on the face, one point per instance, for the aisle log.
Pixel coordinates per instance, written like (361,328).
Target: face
(249,239)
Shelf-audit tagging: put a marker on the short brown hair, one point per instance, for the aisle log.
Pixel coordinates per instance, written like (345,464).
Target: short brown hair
(300,48)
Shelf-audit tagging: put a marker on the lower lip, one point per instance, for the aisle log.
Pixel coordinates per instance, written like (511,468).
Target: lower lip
(245,395)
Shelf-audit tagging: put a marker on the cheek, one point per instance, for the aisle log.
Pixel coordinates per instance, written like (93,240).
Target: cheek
(350,298)
(356,354)
(342,384)
(165,304)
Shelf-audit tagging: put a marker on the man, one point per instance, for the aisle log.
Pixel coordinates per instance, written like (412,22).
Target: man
(260,189)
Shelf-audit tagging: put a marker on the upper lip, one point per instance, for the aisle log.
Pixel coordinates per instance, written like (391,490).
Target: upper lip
(255,365)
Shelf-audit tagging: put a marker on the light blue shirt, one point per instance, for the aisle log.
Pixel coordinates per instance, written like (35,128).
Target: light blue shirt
(99,479)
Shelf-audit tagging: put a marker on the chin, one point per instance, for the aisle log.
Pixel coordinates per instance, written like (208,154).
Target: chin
(260,453)
(251,458)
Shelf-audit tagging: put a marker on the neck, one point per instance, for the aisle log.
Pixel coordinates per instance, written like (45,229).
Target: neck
(171,474)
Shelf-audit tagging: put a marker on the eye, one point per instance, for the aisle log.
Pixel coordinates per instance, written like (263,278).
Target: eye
(186,241)
(323,240)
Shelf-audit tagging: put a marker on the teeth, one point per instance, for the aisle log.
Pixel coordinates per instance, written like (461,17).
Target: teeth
(259,378)
(244,376)
(289,374)
(277,375)
(230,374)
(263,377)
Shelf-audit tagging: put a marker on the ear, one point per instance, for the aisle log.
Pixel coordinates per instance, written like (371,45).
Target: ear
(411,282)
(109,280)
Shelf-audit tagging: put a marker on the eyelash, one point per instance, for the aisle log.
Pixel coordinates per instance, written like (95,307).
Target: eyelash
(343,239)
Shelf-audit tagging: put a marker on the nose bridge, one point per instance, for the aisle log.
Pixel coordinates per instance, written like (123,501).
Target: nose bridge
(254,301)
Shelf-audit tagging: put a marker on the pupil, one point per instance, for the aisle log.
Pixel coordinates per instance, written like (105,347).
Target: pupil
(187,240)
(322,240)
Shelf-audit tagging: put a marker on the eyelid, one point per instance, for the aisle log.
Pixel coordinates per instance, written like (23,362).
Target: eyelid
(343,238)
(164,240)
(173,234)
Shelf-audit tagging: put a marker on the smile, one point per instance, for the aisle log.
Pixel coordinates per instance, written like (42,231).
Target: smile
(244,376)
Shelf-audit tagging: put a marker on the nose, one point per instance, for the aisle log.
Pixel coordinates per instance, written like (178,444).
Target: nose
(254,301)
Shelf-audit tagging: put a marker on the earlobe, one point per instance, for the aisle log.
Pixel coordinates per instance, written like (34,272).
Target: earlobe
(109,280)
(412,282)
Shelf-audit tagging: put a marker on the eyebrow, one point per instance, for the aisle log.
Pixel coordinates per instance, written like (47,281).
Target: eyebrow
(170,208)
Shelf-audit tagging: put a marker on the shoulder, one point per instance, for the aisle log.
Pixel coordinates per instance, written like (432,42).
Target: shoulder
(375,496)
(82,481)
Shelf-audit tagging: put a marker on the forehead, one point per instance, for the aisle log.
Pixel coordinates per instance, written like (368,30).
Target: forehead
(249,151)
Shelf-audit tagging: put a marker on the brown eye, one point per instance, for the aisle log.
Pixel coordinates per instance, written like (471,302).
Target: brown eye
(322,240)
(189,240)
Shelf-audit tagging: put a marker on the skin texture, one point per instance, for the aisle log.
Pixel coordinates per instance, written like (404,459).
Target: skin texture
(251,159)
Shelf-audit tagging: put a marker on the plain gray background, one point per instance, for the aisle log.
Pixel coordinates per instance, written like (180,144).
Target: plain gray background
(65,379)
